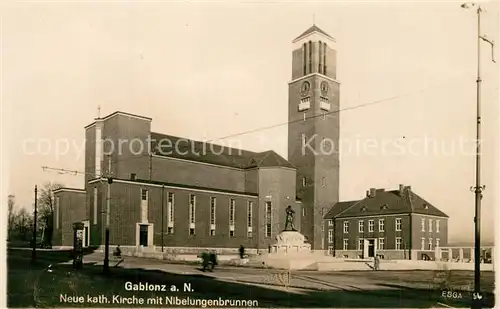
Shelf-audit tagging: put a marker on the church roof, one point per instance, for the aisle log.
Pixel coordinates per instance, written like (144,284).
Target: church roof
(182,148)
(312,29)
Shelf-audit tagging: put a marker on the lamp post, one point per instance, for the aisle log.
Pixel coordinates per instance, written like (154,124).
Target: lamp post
(478,188)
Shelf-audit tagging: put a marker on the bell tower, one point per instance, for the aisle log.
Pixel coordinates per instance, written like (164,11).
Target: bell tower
(313,129)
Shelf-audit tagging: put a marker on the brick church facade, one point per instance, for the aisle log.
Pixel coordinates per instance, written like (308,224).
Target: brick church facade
(172,192)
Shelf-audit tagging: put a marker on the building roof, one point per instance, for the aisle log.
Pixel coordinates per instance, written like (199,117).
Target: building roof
(312,29)
(116,114)
(66,189)
(192,150)
(385,203)
(179,186)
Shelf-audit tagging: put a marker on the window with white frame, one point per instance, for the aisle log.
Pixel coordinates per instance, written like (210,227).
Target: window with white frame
(430,225)
(399,243)
(213,210)
(170,212)
(192,208)
(268,219)
(430,244)
(361,244)
(249,213)
(58,206)
(330,236)
(361,226)
(381,225)
(422,224)
(304,182)
(95,205)
(437,242)
(232,209)
(330,250)
(422,243)
(381,243)
(144,205)
(213,205)
(437,226)
(330,222)
(371,225)
(346,244)
(346,227)
(398,224)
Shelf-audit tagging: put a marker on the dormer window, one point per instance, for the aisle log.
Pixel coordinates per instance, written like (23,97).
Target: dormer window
(384,207)
(426,206)
(363,209)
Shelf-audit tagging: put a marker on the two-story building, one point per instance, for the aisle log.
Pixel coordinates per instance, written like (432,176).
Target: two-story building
(397,224)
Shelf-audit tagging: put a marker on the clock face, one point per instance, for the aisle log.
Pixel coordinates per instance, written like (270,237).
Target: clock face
(305,88)
(324,88)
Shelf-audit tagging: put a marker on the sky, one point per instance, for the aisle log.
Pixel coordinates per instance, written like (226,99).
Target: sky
(215,69)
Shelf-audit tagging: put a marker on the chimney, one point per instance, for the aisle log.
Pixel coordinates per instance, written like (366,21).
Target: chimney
(367,193)
(373,191)
(132,176)
(401,189)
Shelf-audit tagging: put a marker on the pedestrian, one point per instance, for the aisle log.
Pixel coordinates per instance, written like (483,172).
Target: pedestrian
(242,252)
(376,263)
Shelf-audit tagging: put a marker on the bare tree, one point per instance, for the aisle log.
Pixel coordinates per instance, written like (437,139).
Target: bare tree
(11,202)
(45,207)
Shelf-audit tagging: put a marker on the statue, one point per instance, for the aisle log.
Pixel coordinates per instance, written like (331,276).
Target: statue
(290,214)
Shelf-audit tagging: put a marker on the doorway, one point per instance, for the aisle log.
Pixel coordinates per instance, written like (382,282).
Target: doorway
(143,235)
(371,247)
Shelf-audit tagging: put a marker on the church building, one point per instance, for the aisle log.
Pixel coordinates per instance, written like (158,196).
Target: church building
(171,192)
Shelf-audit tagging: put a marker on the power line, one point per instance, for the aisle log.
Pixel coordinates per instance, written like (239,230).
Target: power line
(372,103)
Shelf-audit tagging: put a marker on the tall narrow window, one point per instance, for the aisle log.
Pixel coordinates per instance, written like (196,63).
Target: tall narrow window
(95,205)
(381,225)
(320,56)
(437,242)
(213,203)
(192,214)
(422,243)
(430,244)
(381,243)
(324,58)
(305,117)
(231,211)
(371,226)
(303,140)
(430,225)
(192,209)
(268,219)
(398,224)
(58,206)
(346,244)
(310,56)
(323,181)
(144,205)
(304,58)
(330,236)
(437,226)
(170,212)
(399,243)
(422,224)
(346,227)
(361,226)
(249,214)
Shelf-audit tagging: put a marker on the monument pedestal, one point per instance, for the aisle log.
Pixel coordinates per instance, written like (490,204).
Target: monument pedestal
(290,242)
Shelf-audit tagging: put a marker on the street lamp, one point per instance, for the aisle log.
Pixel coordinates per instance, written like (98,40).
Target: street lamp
(478,188)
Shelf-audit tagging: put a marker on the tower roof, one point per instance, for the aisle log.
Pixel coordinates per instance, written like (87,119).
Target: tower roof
(312,29)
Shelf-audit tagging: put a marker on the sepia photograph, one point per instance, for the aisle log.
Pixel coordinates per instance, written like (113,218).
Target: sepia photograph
(250,154)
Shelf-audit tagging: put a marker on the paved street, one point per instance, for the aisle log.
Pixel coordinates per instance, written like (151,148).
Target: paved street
(270,288)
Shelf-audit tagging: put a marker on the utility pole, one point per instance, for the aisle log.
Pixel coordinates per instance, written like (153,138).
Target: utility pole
(108,201)
(162,206)
(33,253)
(478,188)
